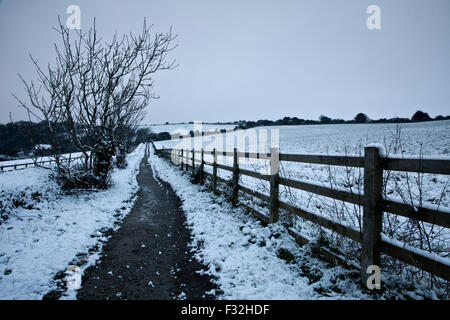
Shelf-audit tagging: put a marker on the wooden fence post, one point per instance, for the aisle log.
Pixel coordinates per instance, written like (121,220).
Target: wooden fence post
(193,163)
(373,213)
(186,167)
(214,177)
(235,180)
(182,159)
(202,167)
(274,185)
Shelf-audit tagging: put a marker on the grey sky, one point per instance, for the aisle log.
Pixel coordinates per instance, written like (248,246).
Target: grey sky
(257,59)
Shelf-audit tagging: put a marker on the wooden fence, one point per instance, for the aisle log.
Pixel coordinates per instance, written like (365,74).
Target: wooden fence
(24,165)
(372,201)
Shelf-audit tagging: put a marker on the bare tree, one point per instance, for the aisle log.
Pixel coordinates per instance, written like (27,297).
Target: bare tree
(95,90)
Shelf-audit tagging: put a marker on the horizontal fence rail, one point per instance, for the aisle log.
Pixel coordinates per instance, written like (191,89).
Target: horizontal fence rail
(434,166)
(372,202)
(321,159)
(24,165)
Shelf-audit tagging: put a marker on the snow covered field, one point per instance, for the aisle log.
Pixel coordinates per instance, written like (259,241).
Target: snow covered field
(433,138)
(47,231)
(411,139)
(408,140)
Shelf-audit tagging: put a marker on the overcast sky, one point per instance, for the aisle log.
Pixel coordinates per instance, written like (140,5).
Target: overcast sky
(255,59)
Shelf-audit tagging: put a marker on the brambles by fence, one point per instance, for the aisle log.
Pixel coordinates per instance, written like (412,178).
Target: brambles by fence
(373,243)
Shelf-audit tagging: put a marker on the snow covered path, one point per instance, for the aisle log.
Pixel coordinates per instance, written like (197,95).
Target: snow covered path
(50,231)
(148,257)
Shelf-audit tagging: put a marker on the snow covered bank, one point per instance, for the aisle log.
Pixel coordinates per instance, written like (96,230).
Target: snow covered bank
(251,261)
(39,240)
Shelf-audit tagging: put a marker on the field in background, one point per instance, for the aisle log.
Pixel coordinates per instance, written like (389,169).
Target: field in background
(423,139)
(432,137)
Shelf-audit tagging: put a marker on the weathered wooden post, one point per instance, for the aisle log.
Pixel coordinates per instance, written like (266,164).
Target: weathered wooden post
(274,185)
(214,177)
(182,159)
(193,163)
(202,167)
(235,180)
(186,167)
(373,213)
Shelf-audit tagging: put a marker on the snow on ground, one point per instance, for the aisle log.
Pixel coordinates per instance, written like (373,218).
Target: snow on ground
(244,256)
(50,230)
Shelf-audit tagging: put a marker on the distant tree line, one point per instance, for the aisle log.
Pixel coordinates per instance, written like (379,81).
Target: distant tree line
(21,139)
(359,118)
(18,139)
